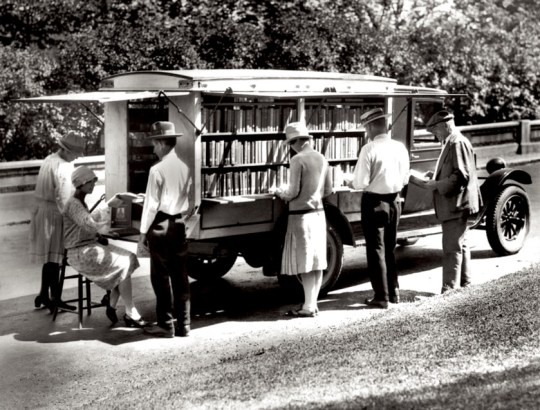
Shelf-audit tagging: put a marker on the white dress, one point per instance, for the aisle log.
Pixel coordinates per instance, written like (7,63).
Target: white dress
(105,265)
(53,189)
(305,241)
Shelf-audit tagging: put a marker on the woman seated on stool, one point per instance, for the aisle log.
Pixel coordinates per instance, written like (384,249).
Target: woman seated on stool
(108,266)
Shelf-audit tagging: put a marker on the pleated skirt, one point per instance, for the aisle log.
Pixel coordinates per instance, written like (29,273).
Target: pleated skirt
(305,244)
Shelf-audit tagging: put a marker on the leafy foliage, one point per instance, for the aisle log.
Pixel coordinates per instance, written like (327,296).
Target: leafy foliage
(484,48)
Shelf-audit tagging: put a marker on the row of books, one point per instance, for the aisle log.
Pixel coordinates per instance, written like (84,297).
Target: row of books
(247,182)
(336,118)
(247,119)
(245,152)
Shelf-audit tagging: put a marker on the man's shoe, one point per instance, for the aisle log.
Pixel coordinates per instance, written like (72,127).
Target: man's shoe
(158,331)
(182,331)
(394,299)
(381,304)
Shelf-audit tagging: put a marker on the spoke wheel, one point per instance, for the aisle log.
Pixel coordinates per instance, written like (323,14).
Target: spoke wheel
(508,220)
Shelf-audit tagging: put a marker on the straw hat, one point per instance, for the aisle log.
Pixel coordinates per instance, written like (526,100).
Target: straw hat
(372,115)
(296,130)
(72,142)
(163,129)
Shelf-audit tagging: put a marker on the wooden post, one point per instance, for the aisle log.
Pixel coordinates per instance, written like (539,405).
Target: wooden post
(524,135)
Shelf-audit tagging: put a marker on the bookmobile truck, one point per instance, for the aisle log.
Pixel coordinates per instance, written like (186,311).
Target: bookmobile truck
(232,123)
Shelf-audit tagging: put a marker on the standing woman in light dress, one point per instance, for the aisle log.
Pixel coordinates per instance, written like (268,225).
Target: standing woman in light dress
(108,266)
(304,252)
(53,189)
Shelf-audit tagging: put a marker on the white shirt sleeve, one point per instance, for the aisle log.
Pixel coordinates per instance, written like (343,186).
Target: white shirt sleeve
(362,171)
(151,202)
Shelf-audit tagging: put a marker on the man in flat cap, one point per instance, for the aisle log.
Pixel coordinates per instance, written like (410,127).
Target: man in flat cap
(381,172)
(456,196)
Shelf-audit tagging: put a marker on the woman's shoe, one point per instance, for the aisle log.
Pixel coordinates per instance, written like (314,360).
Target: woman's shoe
(130,322)
(41,301)
(111,314)
(301,313)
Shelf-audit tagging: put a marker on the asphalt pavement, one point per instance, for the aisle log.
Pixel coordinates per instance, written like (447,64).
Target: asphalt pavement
(36,354)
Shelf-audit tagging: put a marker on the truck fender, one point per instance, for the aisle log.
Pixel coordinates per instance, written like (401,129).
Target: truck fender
(340,222)
(491,187)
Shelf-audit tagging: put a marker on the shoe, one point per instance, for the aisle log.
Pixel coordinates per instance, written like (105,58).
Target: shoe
(301,313)
(41,301)
(394,298)
(130,322)
(182,331)
(381,304)
(158,331)
(111,314)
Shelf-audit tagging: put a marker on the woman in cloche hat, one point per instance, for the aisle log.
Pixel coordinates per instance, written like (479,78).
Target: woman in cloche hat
(53,189)
(304,252)
(108,266)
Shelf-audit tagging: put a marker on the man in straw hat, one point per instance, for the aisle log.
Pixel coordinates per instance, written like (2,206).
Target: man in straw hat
(381,172)
(304,250)
(456,196)
(53,189)
(163,232)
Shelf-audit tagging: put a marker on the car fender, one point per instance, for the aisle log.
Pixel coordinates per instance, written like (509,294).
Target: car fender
(340,222)
(491,187)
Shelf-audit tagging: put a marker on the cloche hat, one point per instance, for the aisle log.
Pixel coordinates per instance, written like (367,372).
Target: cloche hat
(72,142)
(438,117)
(296,130)
(81,175)
(372,115)
(163,129)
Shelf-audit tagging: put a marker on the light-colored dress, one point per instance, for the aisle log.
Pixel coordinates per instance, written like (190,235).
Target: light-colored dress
(305,241)
(105,265)
(53,189)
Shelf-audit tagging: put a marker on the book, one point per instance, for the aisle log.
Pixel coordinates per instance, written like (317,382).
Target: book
(123,198)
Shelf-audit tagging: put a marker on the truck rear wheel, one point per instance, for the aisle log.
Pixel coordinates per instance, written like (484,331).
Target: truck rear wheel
(508,220)
(206,267)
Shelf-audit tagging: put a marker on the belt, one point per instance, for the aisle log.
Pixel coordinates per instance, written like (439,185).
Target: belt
(163,215)
(382,197)
(304,211)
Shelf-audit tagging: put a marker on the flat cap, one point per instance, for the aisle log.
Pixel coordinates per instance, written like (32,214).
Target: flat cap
(438,117)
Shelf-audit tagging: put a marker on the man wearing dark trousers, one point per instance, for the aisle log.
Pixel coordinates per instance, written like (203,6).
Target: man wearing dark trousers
(163,231)
(381,172)
(456,196)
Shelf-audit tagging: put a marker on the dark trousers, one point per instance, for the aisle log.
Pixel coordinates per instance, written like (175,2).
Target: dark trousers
(380,217)
(168,252)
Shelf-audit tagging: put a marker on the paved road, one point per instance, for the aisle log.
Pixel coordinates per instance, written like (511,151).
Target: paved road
(241,311)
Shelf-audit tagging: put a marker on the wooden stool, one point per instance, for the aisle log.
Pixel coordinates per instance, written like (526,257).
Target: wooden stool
(84,293)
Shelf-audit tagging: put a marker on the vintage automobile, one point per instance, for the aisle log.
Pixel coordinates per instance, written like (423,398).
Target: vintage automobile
(232,123)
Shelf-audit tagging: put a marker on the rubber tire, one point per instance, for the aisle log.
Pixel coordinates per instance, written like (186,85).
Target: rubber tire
(334,256)
(201,268)
(508,220)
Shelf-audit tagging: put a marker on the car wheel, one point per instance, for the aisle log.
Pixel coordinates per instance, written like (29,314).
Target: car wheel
(508,220)
(205,267)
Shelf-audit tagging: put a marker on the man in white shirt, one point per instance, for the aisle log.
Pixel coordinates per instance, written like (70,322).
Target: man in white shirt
(164,232)
(381,172)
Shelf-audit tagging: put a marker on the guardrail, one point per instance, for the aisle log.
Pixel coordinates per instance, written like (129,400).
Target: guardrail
(517,137)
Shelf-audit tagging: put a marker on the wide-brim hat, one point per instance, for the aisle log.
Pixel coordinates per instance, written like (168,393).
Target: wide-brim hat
(163,129)
(72,142)
(438,117)
(373,115)
(81,175)
(295,130)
